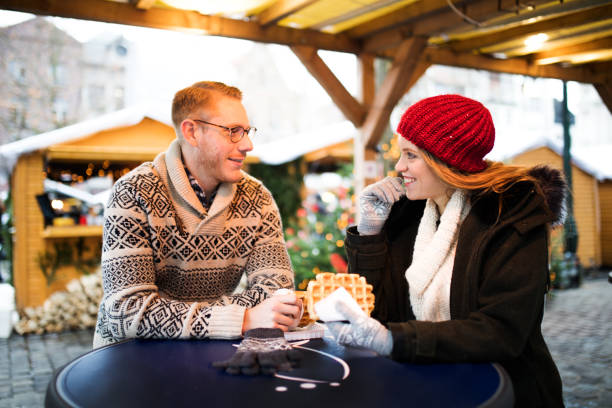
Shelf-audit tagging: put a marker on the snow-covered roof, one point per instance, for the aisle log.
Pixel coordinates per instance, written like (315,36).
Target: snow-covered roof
(10,152)
(291,147)
(275,152)
(597,159)
(593,159)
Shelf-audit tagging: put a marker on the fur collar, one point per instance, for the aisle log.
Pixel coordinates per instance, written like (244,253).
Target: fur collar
(553,186)
(528,202)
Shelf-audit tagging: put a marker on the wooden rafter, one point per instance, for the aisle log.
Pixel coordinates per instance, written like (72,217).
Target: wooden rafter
(555,23)
(367,80)
(281,9)
(181,20)
(436,23)
(350,107)
(545,10)
(442,18)
(396,17)
(143,4)
(381,36)
(588,73)
(418,72)
(605,93)
(554,54)
(387,39)
(354,13)
(582,36)
(392,88)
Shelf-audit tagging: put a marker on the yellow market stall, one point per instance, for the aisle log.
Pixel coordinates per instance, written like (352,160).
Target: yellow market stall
(50,251)
(605,202)
(592,196)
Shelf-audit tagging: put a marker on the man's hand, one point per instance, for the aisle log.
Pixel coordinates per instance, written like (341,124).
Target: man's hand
(375,203)
(280,311)
(362,331)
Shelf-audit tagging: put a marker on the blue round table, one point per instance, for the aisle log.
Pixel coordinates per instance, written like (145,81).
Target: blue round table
(178,373)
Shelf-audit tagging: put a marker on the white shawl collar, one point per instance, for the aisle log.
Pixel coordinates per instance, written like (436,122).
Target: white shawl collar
(429,275)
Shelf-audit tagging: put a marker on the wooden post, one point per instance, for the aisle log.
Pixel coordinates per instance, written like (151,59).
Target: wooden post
(366,75)
(367,90)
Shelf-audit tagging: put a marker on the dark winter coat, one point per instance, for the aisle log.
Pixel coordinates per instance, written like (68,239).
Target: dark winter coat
(498,286)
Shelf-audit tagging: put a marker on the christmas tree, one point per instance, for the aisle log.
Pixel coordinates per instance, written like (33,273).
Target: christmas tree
(315,237)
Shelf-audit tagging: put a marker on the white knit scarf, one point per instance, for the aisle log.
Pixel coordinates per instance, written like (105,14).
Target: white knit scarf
(429,275)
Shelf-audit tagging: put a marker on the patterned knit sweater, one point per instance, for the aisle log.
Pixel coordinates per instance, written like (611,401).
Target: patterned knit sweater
(169,267)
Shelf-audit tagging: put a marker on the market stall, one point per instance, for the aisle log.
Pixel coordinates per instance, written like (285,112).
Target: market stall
(60,182)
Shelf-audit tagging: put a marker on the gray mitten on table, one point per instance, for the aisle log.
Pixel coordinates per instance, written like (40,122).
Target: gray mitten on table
(263,350)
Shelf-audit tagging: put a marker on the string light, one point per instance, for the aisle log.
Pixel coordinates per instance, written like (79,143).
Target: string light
(57,204)
(536,41)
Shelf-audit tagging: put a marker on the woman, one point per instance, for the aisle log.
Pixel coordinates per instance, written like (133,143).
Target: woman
(457,251)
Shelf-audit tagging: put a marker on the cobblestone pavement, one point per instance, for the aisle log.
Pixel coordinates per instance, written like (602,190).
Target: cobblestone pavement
(27,364)
(577,327)
(578,330)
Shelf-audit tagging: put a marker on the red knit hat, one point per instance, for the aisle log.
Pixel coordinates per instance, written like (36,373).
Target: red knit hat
(457,130)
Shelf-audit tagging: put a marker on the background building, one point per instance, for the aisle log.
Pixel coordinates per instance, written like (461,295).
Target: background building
(50,80)
(103,75)
(41,81)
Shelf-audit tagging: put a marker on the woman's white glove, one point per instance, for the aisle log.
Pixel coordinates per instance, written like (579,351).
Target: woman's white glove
(375,204)
(362,331)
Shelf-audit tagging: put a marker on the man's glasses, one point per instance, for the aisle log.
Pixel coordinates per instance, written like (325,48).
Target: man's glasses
(236,133)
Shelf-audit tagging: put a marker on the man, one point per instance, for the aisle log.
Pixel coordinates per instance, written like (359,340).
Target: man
(180,231)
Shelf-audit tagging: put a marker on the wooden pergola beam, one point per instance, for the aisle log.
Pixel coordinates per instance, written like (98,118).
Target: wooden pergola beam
(588,73)
(397,17)
(552,55)
(393,87)
(348,105)
(418,72)
(436,23)
(605,93)
(572,19)
(440,18)
(181,20)
(367,79)
(142,4)
(387,39)
(281,9)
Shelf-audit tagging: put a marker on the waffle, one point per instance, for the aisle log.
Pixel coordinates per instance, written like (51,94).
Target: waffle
(327,282)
